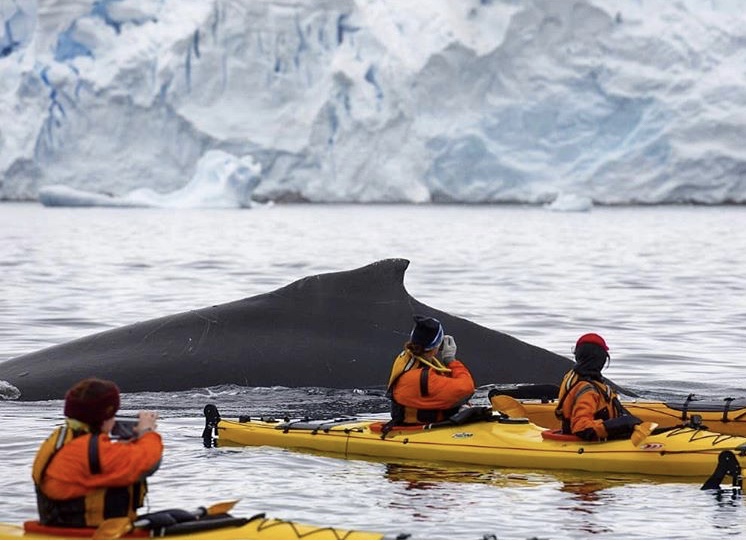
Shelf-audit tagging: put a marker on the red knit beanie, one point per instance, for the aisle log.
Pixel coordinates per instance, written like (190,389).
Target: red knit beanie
(92,401)
(592,338)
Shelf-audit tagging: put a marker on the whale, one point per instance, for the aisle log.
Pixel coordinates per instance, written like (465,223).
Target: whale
(336,330)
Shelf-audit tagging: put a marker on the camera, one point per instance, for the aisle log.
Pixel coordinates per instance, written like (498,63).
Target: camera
(124,428)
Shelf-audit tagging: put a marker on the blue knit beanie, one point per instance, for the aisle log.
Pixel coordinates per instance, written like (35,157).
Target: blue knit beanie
(427,332)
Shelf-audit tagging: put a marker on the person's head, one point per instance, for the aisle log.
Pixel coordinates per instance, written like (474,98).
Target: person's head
(426,335)
(92,401)
(591,355)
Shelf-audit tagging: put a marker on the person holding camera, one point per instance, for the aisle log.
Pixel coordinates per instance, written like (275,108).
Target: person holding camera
(587,404)
(83,476)
(427,383)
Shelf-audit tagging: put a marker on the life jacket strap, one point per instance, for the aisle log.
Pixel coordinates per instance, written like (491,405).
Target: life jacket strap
(435,364)
(94,461)
(424,375)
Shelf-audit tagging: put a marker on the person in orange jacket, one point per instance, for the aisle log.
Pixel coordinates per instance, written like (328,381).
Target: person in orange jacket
(422,387)
(83,476)
(587,404)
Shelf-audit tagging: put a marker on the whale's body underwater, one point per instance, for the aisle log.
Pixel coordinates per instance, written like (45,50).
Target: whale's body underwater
(339,330)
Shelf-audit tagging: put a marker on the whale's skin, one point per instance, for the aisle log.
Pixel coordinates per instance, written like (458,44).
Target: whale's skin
(336,330)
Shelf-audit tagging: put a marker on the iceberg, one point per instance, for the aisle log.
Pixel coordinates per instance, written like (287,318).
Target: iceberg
(476,101)
(568,202)
(221,181)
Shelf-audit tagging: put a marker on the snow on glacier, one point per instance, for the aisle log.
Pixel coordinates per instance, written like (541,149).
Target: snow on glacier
(577,102)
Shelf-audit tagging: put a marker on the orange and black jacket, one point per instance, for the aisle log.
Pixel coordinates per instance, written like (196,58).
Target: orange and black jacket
(423,391)
(82,478)
(584,404)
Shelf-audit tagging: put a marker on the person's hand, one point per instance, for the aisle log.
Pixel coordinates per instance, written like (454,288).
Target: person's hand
(621,427)
(146,422)
(448,353)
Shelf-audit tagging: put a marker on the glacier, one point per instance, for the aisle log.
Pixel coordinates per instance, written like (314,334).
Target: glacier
(554,102)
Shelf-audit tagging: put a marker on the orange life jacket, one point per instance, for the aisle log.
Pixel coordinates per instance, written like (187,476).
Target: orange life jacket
(596,399)
(425,391)
(95,506)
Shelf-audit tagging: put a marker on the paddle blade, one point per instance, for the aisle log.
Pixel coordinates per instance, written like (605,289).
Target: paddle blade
(642,431)
(221,508)
(727,465)
(508,405)
(113,528)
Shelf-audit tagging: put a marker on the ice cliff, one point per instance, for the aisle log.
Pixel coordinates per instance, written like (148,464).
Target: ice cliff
(378,100)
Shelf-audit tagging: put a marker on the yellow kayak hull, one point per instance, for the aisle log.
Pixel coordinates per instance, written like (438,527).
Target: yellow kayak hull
(509,443)
(256,528)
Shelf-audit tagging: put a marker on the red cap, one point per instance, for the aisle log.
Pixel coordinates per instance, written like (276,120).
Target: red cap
(592,338)
(92,401)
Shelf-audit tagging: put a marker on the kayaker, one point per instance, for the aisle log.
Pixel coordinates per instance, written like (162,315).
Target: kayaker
(587,404)
(81,475)
(423,387)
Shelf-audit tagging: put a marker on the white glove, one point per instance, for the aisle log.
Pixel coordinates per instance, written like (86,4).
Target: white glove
(448,353)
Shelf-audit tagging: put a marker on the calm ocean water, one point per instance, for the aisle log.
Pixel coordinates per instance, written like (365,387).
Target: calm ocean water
(664,285)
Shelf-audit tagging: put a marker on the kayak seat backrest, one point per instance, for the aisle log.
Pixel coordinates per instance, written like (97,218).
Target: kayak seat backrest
(557,435)
(35,527)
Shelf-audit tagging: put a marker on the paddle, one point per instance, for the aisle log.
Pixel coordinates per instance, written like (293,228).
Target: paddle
(114,528)
(508,405)
(642,431)
(727,465)
(219,508)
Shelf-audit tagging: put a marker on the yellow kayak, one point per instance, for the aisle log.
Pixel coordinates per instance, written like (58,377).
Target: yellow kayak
(485,437)
(223,527)
(727,416)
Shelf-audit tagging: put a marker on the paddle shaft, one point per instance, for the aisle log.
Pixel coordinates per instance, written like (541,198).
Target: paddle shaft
(114,528)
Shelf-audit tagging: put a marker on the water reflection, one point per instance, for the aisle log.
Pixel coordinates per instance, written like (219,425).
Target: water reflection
(582,486)
(584,491)
(418,477)
(587,498)
(428,491)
